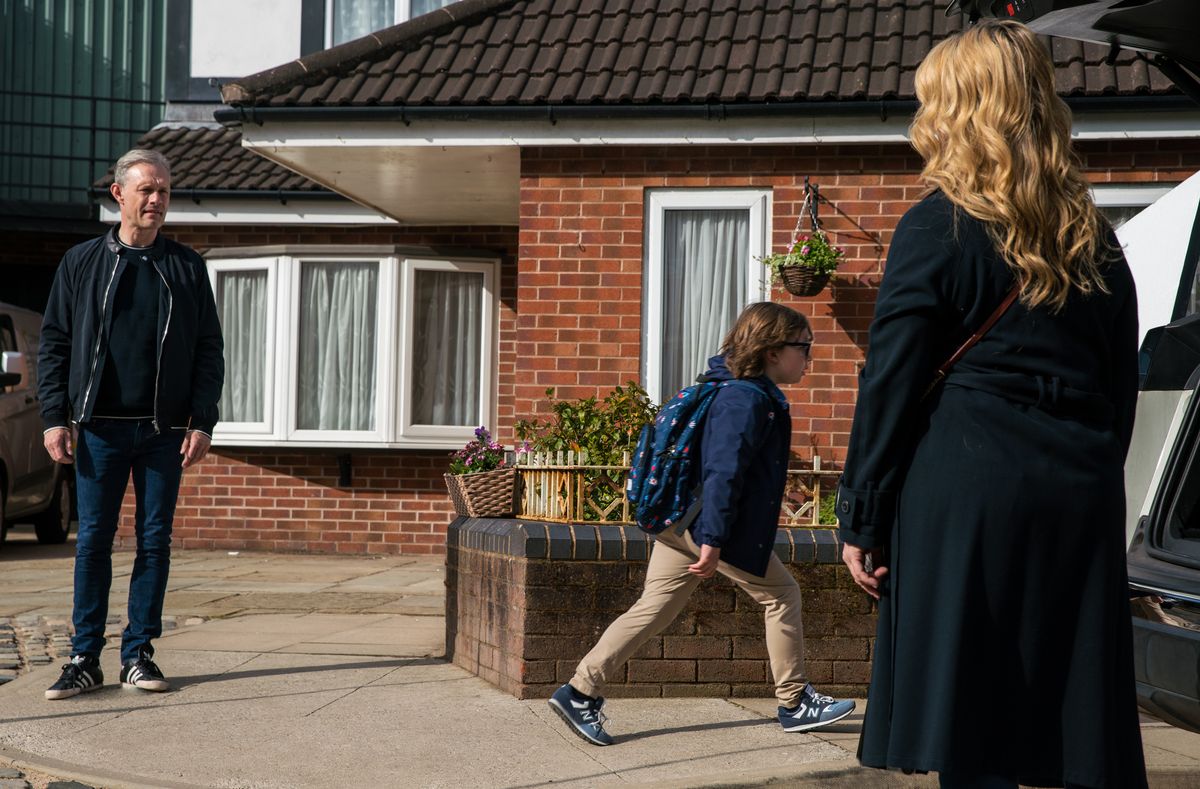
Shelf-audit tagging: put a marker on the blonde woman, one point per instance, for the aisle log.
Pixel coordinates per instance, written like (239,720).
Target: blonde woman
(987,517)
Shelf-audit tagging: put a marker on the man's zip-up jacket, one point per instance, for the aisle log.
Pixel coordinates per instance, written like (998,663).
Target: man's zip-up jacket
(190,366)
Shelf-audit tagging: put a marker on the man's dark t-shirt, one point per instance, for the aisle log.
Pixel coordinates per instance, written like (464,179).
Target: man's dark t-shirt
(126,386)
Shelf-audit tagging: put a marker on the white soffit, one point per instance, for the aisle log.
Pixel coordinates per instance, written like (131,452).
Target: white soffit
(261,211)
(415,185)
(445,172)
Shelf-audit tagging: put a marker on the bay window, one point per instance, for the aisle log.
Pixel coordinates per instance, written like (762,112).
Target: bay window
(355,349)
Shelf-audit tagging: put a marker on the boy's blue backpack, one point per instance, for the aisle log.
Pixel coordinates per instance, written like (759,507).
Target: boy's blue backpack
(663,486)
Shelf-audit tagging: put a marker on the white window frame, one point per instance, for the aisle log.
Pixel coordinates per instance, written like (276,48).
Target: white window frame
(1128,195)
(384,360)
(265,428)
(393,354)
(401,13)
(487,364)
(757,201)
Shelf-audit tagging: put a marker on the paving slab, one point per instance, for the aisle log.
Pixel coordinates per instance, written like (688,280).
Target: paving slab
(342,685)
(249,584)
(316,601)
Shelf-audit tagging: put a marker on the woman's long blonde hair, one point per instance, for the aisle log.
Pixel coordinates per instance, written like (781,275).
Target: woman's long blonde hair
(996,139)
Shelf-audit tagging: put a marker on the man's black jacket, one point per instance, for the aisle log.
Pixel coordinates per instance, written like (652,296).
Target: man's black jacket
(190,364)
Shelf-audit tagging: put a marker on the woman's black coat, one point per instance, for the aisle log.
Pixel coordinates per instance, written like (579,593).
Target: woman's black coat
(1004,637)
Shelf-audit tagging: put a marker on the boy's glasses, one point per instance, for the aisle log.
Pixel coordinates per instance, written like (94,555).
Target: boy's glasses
(807,346)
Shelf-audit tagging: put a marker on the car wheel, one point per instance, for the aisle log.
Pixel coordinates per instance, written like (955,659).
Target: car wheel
(53,525)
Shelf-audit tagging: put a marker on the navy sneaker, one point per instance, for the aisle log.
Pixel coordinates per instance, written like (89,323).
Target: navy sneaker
(143,673)
(582,714)
(813,711)
(79,676)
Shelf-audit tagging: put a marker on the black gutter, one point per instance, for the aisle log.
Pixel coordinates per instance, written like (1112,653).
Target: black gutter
(553,113)
(556,112)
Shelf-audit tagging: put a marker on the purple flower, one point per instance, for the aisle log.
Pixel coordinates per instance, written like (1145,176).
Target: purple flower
(804,250)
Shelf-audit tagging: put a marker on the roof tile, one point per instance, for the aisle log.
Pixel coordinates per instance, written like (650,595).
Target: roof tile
(207,157)
(530,52)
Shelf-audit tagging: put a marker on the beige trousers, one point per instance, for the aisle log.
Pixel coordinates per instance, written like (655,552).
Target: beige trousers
(668,587)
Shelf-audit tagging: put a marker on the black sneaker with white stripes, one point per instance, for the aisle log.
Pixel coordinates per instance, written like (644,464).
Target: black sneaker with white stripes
(79,676)
(143,673)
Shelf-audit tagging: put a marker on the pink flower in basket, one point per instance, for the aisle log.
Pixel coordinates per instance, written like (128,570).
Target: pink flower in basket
(482,454)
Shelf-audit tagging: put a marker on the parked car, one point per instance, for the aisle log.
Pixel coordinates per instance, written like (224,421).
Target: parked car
(33,488)
(1162,471)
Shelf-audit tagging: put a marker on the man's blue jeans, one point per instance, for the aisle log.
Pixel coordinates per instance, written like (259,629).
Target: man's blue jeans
(108,452)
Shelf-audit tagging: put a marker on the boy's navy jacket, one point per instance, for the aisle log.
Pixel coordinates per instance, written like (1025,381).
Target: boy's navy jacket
(744,462)
(190,365)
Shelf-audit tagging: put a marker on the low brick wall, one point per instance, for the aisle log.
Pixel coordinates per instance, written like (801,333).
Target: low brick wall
(526,600)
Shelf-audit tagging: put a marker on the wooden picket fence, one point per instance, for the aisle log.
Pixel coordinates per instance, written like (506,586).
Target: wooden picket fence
(562,487)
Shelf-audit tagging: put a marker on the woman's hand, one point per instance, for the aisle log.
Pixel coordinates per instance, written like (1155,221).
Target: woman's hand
(856,559)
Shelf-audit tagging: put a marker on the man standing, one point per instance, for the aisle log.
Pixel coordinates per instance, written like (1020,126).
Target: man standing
(130,371)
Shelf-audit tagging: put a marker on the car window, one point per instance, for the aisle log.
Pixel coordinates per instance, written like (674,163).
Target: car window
(8,340)
(1182,534)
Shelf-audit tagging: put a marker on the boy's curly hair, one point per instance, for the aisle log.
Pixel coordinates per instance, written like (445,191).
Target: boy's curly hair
(761,327)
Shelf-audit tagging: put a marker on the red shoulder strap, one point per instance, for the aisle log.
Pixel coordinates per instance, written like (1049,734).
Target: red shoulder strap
(942,371)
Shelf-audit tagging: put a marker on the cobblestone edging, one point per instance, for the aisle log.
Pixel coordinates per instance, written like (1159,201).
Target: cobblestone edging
(28,641)
(12,777)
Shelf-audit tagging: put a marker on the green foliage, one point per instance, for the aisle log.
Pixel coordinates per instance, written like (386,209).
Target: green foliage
(814,252)
(828,510)
(602,428)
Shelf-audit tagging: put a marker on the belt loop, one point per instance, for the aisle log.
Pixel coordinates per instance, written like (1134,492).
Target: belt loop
(1055,390)
(1041,397)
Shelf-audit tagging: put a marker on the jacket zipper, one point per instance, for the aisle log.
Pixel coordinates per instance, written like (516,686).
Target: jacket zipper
(162,341)
(87,393)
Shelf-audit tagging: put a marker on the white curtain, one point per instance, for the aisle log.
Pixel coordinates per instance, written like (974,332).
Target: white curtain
(336,386)
(419,7)
(242,304)
(355,18)
(706,254)
(447,343)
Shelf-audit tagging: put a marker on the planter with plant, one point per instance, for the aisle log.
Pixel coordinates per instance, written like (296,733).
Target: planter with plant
(810,260)
(805,269)
(480,482)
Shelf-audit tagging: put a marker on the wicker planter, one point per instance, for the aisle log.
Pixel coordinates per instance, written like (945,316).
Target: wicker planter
(490,494)
(802,280)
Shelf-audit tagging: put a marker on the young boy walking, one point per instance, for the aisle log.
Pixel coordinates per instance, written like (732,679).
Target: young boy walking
(744,459)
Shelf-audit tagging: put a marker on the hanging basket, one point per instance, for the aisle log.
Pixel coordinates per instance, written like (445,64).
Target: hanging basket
(489,494)
(802,280)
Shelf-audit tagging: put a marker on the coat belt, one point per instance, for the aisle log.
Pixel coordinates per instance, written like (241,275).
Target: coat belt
(1044,392)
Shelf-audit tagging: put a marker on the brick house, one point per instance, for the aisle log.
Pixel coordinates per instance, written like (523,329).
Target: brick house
(541,171)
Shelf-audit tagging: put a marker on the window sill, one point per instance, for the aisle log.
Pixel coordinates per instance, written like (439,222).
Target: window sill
(234,442)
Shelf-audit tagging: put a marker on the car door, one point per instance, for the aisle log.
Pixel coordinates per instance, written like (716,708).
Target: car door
(1162,470)
(18,427)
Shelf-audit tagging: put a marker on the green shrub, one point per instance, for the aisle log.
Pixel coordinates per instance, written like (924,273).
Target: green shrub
(601,428)
(604,429)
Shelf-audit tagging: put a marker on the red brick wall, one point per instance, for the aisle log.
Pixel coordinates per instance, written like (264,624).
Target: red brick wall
(284,499)
(571,319)
(581,255)
(290,500)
